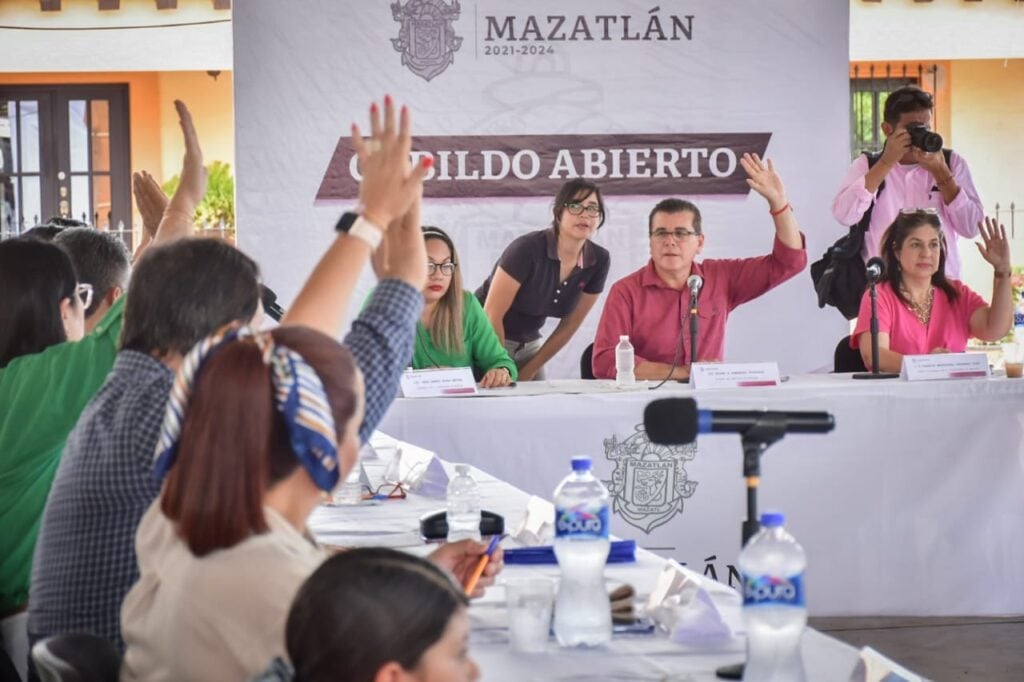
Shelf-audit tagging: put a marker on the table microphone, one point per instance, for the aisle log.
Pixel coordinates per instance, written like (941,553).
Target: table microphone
(874,269)
(677,421)
(694,282)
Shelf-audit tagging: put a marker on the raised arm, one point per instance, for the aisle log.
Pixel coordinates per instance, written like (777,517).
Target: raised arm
(993,321)
(388,189)
(151,202)
(176,222)
(764,180)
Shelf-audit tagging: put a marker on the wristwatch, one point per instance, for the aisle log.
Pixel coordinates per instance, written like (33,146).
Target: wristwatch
(357,226)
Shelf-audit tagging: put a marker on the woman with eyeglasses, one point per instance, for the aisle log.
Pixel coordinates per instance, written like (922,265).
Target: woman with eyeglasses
(556,272)
(49,370)
(920,310)
(453,330)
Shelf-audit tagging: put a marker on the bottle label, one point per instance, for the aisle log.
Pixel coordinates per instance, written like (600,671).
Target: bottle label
(582,521)
(771,590)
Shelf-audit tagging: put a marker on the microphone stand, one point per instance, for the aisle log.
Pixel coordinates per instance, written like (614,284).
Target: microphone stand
(875,373)
(694,325)
(769,428)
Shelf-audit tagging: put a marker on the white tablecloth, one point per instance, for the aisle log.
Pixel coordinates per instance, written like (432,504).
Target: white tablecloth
(914,505)
(629,657)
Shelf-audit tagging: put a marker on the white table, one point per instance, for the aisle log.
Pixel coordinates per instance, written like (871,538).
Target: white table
(631,657)
(914,505)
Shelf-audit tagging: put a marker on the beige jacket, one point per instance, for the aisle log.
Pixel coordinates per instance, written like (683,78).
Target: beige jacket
(219,617)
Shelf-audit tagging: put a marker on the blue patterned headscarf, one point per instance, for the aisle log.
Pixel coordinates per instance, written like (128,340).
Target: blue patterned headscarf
(298,396)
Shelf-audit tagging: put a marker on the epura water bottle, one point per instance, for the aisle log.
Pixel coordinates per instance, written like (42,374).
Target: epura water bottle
(624,362)
(772,565)
(463,506)
(1018,322)
(582,611)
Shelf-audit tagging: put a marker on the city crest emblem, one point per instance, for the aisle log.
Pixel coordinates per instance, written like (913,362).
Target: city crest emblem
(427,38)
(649,483)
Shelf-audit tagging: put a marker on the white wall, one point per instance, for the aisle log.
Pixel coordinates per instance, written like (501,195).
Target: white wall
(196,47)
(303,72)
(942,29)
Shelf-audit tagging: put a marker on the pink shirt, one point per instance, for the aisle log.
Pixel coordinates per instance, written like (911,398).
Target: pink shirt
(910,187)
(947,328)
(652,313)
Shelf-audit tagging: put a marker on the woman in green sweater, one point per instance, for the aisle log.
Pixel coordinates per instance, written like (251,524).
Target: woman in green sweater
(453,330)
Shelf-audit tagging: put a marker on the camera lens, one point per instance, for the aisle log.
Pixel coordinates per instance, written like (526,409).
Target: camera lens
(925,139)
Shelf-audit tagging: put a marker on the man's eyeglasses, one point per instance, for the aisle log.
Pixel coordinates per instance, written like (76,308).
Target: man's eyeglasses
(385,491)
(576,208)
(445,268)
(84,294)
(680,234)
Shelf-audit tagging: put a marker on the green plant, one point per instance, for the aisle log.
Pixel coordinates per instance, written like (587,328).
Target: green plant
(219,202)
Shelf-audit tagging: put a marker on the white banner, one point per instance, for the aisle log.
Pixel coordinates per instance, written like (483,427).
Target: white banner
(512,98)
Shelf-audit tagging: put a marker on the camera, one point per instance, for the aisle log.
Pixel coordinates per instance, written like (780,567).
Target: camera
(925,139)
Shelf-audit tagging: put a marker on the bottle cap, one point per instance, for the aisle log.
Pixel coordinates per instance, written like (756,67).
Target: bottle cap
(581,463)
(624,337)
(773,519)
(462,469)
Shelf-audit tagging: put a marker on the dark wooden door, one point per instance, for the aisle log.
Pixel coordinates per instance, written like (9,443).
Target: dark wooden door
(65,152)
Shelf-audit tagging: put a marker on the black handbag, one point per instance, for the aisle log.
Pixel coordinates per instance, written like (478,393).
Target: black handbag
(839,277)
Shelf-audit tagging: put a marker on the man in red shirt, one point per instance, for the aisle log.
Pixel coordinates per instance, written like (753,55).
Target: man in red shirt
(651,305)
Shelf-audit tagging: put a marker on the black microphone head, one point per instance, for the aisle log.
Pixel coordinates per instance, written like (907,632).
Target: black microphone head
(671,421)
(270,306)
(875,268)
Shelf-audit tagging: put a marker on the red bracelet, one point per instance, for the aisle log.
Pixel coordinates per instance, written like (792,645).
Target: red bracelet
(782,210)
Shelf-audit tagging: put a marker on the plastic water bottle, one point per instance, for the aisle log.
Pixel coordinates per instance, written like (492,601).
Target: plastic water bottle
(772,565)
(463,506)
(582,611)
(624,375)
(1018,322)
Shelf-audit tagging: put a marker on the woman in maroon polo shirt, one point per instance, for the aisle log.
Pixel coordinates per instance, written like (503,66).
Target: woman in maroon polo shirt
(556,272)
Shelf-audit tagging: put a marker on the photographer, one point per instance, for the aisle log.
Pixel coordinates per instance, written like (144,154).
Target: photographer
(912,172)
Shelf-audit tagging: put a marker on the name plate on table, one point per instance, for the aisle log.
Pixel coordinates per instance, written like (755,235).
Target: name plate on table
(435,383)
(733,374)
(944,366)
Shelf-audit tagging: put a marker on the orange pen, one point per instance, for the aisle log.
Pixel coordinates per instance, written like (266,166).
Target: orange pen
(474,578)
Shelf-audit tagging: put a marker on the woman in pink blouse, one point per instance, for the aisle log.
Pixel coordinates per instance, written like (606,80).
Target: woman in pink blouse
(920,311)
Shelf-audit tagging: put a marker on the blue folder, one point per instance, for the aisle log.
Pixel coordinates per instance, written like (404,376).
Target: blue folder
(621,552)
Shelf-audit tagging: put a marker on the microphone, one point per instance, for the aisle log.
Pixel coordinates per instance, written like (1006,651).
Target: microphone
(695,282)
(875,269)
(270,304)
(677,421)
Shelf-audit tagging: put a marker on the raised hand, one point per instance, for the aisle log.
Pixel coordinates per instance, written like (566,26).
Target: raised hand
(192,187)
(150,200)
(996,247)
(389,185)
(177,218)
(763,179)
(404,249)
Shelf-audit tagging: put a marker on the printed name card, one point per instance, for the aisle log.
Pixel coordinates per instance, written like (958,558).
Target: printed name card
(436,383)
(733,374)
(944,366)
